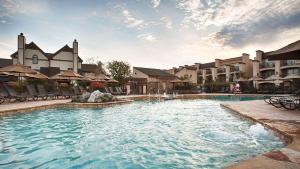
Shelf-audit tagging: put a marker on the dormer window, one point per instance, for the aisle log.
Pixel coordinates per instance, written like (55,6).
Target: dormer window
(34,59)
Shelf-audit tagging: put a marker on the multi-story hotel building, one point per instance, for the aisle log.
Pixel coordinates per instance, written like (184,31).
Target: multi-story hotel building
(226,70)
(277,68)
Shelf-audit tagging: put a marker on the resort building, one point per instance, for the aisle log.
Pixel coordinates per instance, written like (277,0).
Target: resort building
(277,68)
(49,64)
(227,70)
(148,80)
(185,72)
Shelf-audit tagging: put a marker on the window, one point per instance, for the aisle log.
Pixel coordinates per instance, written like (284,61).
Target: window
(34,59)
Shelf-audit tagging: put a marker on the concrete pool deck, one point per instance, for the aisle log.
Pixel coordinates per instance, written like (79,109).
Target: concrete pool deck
(285,123)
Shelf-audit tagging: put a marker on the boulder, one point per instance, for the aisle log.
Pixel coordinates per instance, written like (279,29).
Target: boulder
(94,95)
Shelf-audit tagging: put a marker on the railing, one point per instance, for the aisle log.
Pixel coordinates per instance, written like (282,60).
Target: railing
(289,62)
(236,69)
(291,74)
(221,70)
(267,65)
(208,72)
(264,76)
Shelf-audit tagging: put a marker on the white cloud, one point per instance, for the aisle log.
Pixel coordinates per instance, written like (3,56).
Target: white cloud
(155,3)
(30,7)
(147,37)
(200,14)
(167,22)
(131,21)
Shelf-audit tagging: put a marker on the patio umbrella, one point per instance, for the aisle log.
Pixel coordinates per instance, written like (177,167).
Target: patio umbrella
(112,81)
(17,70)
(68,75)
(37,75)
(97,78)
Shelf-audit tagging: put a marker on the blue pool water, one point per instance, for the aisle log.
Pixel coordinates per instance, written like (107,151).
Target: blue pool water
(171,134)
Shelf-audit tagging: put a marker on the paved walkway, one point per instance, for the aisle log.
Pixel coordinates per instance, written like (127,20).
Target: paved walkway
(30,104)
(285,122)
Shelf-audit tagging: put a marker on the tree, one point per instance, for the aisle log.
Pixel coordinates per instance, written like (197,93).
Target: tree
(100,65)
(119,70)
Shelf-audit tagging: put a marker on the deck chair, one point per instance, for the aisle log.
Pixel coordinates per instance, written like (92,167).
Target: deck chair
(14,95)
(3,95)
(34,94)
(43,92)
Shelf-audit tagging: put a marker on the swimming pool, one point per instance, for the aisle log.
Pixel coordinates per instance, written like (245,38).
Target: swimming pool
(171,134)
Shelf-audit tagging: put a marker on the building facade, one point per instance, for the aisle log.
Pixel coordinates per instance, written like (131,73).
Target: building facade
(148,80)
(270,73)
(185,73)
(50,64)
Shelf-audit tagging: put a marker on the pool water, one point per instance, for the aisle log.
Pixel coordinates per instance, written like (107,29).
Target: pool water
(235,98)
(170,134)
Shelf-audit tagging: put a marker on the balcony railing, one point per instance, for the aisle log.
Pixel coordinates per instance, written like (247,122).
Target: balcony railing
(236,69)
(291,74)
(208,72)
(267,65)
(221,70)
(289,62)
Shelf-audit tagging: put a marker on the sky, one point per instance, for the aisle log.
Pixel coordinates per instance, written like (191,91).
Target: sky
(151,33)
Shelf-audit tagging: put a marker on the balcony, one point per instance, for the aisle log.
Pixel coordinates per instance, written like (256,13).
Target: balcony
(221,70)
(208,72)
(289,62)
(266,65)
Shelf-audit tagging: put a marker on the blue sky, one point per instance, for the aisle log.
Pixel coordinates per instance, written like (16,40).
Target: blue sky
(151,33)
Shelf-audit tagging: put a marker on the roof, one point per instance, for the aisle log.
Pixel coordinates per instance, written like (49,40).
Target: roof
(5,62)
(289,52)
(207,65)
(154,72)
(50,56)
(89,67)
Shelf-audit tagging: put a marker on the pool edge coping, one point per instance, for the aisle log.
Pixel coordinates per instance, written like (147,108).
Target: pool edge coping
(286,137)
(64,105)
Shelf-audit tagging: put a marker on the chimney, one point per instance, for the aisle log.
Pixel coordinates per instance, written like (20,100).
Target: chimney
(217,63)
(245,57)
(75,56)
(21,48)
(259,55)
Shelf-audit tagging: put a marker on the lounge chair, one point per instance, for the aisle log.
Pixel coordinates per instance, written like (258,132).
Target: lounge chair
(43,92)
(269,99)
(14,95)
(289,102)
(112,91)
(34,94)
(107,90)
(77,91)
(3,95)
(67,93)
(120,91)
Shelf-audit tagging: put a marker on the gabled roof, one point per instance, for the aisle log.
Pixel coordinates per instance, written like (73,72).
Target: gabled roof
(154,72)
(50,56)
(5,62)
(65,48)
(289,52)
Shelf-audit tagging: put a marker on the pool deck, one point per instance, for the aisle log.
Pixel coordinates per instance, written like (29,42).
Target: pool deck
(283,122)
